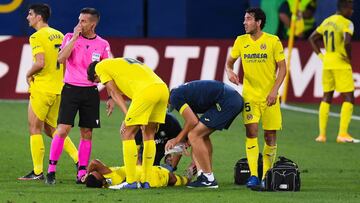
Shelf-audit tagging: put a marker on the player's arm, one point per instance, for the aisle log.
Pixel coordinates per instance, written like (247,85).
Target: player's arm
(315,41)
(98,166)
(65,52)
(233,77)
(271,98)
(116,95)
(347,42)
(191,120)
(109,104)
(36,67)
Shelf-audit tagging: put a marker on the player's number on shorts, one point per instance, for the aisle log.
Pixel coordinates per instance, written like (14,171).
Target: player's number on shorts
(57,46)
(327,36)
(132,61)
(247,107)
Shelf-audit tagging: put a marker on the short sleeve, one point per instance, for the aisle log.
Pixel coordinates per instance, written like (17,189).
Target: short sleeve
(235,51)
(176,99)
(320,28)
(66,40)
(278,50)
(349,28)
(36,46)
(106,54)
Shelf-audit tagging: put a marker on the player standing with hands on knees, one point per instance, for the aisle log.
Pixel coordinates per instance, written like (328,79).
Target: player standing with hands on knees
(263,61)
(336,32)
(149,97)
(78,50)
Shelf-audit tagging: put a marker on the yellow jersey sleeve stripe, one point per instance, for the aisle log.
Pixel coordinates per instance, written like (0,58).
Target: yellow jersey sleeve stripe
(183,108)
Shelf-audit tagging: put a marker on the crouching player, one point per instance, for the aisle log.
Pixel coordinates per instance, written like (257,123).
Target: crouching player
(99,175)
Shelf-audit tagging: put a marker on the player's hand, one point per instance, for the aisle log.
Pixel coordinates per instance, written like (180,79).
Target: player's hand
(77,31)
(29,79)
(170,144)
(271,98)
(232,76)
(110,104)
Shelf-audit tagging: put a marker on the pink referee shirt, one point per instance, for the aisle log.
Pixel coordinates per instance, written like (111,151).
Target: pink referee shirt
(84,52)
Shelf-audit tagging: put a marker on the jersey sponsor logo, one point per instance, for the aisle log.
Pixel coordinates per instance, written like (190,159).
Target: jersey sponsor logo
(255,56)
(249,117)
(207,119)
(246,46)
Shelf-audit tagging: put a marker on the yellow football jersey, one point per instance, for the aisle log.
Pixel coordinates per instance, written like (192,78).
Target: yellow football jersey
(130,75)
(258,59)
(333,29)
(159,176)
(50,79)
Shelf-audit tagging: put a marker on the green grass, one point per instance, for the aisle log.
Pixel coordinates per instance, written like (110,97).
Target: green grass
(330,171)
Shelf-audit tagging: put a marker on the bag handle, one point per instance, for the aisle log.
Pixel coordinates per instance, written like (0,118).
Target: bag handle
(283,159)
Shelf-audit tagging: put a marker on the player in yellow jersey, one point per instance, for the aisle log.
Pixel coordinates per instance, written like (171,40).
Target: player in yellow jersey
(99,175)
(336,32)
(264,66)
(149,98)
(45,83)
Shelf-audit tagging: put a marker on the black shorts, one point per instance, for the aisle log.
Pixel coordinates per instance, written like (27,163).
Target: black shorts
(222,114)
(86,100)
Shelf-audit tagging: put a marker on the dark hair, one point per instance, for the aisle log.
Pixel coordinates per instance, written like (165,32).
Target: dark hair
(343,3)
(41,9)
(92,11)
(91,181)
(258,15)
(91,71)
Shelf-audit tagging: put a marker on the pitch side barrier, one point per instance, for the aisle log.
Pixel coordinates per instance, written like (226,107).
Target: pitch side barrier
(177,61)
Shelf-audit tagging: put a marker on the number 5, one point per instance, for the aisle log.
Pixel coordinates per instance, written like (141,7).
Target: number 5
(247,107)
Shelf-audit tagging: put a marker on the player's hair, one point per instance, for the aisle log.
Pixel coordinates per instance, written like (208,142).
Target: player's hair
(343,3)
(92,181)
(258,15)
(91,71)
(93,12)
(41,9)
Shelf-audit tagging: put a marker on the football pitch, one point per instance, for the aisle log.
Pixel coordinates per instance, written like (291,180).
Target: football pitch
(330,172)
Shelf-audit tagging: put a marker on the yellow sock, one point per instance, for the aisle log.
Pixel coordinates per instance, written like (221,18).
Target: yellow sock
(70,148)
(345,117)
(130,158)
(181,180)
(269,155)
(37,152)
(117,176)
(323,117)
(252,154)
(148,159)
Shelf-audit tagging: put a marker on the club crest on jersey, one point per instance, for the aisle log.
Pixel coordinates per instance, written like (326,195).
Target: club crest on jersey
(263,46)
(249,117)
